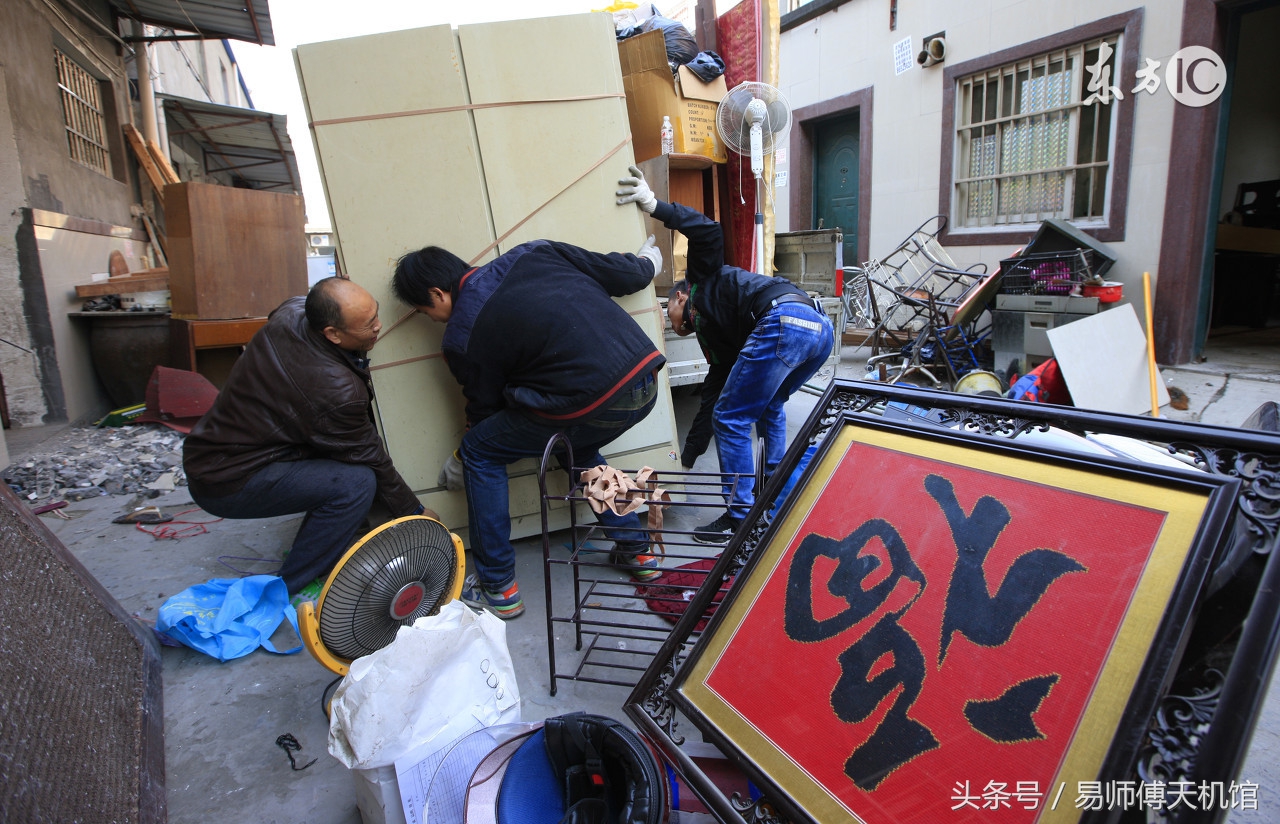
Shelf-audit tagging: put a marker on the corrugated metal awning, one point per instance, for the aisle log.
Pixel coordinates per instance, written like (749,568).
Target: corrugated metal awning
(248,20)
(250,145)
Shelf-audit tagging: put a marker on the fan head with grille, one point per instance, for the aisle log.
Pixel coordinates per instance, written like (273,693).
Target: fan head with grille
(399,572)
(738,112)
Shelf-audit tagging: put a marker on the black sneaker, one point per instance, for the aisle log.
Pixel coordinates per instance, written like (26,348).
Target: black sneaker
(718,531)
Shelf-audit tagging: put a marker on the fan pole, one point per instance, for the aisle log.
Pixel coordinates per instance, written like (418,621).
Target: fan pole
(758,251)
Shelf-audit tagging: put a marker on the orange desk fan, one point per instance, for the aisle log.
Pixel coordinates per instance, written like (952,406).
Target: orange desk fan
(399,572)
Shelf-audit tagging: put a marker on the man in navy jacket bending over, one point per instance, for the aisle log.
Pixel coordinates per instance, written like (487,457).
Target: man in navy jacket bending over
(539,347)
(774,336)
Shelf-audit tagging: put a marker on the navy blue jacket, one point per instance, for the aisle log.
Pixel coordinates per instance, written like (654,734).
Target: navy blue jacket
(725,302)
(537,330)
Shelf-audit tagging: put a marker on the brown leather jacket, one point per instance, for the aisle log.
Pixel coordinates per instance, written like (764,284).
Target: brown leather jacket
(291,396)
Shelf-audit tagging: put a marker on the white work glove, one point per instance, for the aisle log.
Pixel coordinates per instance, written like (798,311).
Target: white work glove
(451,474)
(635,190)
(651,251)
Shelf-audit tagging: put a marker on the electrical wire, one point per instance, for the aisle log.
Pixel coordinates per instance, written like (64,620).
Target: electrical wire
(168,531)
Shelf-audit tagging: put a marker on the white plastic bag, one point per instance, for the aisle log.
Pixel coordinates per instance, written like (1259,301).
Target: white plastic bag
(443,667)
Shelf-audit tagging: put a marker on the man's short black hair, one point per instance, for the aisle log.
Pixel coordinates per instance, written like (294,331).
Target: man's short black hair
(431,267)
(680,286)
(322,306)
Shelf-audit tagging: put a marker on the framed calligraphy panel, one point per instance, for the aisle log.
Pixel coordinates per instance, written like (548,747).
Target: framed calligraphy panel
(932,610)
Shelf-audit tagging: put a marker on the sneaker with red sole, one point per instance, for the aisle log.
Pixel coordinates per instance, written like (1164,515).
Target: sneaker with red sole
(506,604)
(634,560)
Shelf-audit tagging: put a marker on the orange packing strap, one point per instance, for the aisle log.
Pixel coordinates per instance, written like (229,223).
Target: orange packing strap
(464,107)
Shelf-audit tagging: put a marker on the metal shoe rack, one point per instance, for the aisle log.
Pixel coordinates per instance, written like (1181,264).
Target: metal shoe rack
(615,631)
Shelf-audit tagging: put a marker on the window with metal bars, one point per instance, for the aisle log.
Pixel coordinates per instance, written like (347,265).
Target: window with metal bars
(82,114)
(1027,145)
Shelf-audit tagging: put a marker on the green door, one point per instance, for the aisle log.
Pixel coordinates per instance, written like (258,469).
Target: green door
(836,155)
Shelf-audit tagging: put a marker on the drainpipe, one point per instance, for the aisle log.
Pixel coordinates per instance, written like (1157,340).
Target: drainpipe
(147,95)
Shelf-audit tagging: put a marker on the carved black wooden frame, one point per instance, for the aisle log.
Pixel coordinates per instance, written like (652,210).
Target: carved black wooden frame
(1208,674)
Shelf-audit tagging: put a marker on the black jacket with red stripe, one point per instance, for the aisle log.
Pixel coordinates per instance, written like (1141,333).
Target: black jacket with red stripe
(537,329)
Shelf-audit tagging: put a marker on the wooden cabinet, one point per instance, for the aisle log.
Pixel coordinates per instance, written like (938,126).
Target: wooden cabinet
(233,253)
(210,347)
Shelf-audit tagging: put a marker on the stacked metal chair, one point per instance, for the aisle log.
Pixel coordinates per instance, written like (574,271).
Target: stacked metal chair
(927,310)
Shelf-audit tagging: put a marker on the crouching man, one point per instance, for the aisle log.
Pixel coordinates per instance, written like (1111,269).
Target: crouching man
(292,431)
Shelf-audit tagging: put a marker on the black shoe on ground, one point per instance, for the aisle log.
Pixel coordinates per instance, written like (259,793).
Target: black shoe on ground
(718,531)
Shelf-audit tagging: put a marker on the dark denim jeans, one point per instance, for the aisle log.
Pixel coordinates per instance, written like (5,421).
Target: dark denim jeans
(336,497)
(502,439)
(788,345)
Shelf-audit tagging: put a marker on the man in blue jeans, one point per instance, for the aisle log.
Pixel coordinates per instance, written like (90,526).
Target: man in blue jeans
(774,335)
(539,347)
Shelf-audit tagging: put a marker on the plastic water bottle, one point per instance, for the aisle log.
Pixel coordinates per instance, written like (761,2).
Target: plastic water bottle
(668,136)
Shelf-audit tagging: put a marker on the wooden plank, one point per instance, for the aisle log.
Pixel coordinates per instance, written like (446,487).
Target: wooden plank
(162,162)
(151,281)
(571,199)
(542,59)
(395,184)
(145,161)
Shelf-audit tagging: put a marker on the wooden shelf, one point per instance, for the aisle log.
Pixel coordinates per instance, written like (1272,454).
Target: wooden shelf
(148,280)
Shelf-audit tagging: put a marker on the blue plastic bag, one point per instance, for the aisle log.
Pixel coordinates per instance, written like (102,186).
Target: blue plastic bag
(229,617)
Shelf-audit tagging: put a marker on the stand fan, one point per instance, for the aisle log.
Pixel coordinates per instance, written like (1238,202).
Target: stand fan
(399,572)
(753,119)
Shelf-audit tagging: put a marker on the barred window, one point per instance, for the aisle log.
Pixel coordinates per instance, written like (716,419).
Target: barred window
(1034,138)
(82,114)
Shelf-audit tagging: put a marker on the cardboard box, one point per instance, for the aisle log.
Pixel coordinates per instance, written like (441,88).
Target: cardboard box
(653,93)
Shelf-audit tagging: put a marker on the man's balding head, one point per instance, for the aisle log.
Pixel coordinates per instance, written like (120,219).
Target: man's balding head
(344,312)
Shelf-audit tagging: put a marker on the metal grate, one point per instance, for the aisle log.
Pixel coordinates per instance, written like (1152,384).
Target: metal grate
(1028,147)
(617,625)
(82,114)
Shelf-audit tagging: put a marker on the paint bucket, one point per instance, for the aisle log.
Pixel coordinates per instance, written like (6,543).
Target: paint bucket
(980,383)
(1106,292)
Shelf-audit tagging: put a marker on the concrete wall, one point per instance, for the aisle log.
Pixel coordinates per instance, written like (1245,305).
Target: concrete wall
(70,253)
(174,67)
(198,70)
(29,32)
(850,48)
(37,172)
(17,365)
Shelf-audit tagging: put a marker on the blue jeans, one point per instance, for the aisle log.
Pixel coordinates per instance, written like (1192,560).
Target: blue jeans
(506,437)
(788,345)
(336,497)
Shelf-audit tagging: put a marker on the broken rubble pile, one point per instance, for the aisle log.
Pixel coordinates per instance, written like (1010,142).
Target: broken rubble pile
(85,463)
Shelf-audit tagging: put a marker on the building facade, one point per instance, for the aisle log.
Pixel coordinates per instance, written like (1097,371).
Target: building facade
(72,189)
(1031,110)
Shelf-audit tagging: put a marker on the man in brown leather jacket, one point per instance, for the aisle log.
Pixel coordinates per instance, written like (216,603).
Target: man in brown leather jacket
(292,431)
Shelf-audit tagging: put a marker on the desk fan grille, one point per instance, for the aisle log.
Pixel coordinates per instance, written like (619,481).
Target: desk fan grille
(356,611)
